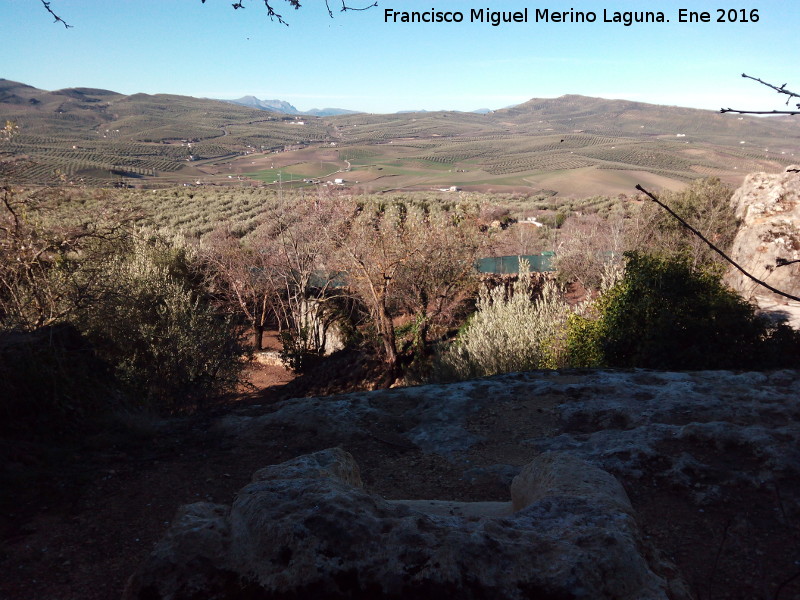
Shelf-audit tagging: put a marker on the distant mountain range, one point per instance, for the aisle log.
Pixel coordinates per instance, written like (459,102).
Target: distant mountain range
(284,107)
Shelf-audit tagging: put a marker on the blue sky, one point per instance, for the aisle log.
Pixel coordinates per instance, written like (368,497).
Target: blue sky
(359,61)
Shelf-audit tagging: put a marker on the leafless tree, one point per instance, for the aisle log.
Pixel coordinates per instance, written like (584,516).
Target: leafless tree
(440,276)
(373,244)
(307,279)
(278,273)
(403,258)
(242,279)
(585,244)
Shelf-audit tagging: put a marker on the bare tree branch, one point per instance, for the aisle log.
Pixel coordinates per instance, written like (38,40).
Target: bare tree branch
(57,18)
(296,4)
(780,89)
(759,112)
(345,8)
(268,4)
(271,11)
(714,248)
(782,262)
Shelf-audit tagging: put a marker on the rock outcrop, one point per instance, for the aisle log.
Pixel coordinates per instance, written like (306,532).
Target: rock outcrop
(710,461)
(620,421)
(769,208)
(306,528)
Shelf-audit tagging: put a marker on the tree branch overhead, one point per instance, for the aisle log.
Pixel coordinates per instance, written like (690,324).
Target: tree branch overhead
(55,16)
(780,89)
(268,5)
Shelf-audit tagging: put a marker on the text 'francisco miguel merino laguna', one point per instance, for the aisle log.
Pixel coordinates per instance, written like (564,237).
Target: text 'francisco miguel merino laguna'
(546,15)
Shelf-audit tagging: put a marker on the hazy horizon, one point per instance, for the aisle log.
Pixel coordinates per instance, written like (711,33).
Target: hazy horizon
(359,61)
(406,110)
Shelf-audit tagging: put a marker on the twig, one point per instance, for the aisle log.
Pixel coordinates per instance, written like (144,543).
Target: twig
(296,4)
(782,262)
(760,112)
(714,248)
(784,584)
(780,89)
(345,8)
(55,16)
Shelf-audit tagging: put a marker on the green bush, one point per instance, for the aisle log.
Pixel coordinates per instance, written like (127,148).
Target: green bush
(297,350)
(158,330)
(665,314)
(583,342)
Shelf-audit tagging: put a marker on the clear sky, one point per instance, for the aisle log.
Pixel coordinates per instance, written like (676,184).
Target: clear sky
(358,61)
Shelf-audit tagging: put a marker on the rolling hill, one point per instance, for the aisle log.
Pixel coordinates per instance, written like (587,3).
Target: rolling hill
(572,145)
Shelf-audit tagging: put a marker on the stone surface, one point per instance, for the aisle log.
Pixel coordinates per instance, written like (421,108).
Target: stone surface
(625,422)
(556,474)
(694,451)
(270,358)
(307,529)
(769,208)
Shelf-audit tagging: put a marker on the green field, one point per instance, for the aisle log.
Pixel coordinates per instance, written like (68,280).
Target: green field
(275,176)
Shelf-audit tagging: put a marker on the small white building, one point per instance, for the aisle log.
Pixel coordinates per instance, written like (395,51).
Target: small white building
(532,221)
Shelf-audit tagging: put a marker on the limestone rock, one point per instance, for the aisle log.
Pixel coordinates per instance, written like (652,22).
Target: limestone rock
(269,358)
(555,474)
(769,207)
(751,418)
(307,529)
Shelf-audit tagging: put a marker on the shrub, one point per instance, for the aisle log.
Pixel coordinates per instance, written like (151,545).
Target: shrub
(705,205)
(158,330)
(665,314)
(514,333)
(583,342)
(298,351)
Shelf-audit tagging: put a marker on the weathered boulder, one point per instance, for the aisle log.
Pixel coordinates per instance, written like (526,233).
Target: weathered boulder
(769,208)
(556,474)
(307,529)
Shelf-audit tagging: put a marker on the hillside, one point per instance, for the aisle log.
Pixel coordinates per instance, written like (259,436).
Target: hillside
(572,145)
(96,137)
